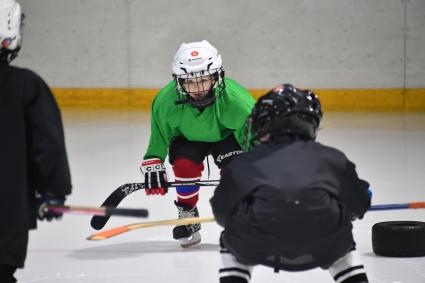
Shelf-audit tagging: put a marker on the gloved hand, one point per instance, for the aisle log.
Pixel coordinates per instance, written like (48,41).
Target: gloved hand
(155,176)
(369,194)
(369,203)
(43,212)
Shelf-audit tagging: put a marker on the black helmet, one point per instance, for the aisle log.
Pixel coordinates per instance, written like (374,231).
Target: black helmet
(284,111)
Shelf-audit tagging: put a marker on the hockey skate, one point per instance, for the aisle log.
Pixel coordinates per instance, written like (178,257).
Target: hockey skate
(187,235)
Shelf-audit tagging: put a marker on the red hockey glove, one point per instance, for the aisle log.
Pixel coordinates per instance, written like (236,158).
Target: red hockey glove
(155,176)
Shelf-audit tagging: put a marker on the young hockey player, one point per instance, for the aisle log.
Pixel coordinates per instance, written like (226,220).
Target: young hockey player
(289,202)
(199,112)
(33,163)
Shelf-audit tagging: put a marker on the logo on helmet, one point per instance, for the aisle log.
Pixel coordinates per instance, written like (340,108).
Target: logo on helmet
(278,89)
(194,53)
(6,42)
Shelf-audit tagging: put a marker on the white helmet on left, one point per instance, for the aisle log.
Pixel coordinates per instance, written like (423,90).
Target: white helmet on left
(11,23)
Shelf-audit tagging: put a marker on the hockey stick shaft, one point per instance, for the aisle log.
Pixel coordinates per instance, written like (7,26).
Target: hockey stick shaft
(408,205)
(123,229)
(115,198)
(99,211)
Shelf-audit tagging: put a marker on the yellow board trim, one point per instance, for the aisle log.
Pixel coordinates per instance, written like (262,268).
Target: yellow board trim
(368,100)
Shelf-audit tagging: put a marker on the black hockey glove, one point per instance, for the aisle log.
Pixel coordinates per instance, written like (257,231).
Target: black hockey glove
(369,203)
(43,212)
(155,176)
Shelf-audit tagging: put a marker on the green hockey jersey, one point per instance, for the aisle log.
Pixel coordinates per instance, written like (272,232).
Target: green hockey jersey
(216,122)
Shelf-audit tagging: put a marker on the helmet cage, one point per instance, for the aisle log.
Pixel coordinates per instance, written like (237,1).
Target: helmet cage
(214,93)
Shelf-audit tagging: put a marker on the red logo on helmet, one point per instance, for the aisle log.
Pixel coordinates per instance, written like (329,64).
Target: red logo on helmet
(6,42)
(194,53)
(278,89)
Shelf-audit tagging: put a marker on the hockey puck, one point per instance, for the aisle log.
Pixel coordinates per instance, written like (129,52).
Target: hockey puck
(399,238)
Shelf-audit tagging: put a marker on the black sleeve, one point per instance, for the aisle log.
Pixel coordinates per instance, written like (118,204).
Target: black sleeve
(224,199)
(49,170)
(354,192)
(235,185)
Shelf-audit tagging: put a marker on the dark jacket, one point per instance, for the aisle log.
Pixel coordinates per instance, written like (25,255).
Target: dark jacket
(32,149)
(290,205)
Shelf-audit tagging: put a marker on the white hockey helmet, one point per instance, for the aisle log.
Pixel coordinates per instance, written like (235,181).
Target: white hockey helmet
(195,60)
(196,57)
(11,23)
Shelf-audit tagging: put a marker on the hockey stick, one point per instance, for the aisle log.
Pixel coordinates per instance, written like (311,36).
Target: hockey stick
(397,206)
(123,229)
(114,199)
(99,211)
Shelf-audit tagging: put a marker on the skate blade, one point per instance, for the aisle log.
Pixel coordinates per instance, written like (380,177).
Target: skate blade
(190,241)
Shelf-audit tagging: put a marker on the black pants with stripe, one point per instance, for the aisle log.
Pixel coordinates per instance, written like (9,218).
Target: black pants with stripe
(222,151)
(347,269)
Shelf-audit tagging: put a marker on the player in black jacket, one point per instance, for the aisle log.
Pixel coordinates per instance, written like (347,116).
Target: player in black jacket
(289,202)
(33,162)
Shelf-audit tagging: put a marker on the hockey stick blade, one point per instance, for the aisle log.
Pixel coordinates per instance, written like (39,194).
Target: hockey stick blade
(99,211)
(115,198)
(123,229)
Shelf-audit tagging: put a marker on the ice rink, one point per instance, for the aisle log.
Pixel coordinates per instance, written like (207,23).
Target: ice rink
(105,149)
